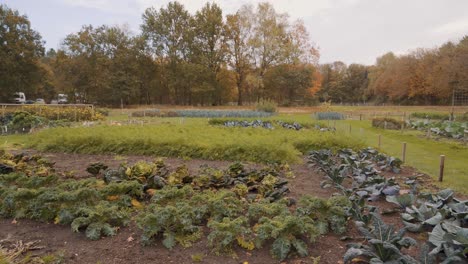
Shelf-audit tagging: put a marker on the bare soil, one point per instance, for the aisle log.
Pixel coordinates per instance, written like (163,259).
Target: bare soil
(125,247)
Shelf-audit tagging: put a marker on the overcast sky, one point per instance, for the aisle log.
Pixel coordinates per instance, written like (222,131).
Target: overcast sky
(348,30)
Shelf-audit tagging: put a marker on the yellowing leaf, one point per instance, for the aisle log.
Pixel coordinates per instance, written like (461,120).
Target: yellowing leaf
(100,184)
(112,197)
(136,204)
(151,192)
(249,245)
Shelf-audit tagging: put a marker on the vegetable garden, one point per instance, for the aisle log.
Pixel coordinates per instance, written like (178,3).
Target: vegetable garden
(281,188)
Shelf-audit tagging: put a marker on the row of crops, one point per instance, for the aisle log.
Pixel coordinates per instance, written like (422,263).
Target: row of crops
(269,124)
(449,129)
(202,113)
(442,217)
(34,117)
(232,208)
(240,207)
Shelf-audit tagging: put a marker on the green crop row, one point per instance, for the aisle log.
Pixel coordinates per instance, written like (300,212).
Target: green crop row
(192,141)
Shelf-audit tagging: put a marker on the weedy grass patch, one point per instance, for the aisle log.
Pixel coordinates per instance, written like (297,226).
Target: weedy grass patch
(191,140)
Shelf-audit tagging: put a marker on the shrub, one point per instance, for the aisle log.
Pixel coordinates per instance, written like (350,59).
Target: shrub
(429,115)
(24,121)
(329,116)
(103,111)
(154,113)
(266,106)
(64,113)
(387,123)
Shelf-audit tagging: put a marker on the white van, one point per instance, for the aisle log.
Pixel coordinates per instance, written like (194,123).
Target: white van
(62,99)
(19,98)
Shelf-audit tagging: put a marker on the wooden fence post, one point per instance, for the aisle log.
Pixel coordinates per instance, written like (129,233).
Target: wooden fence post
(380,140)
(76,119)
(350,128)
(441,169)
(465,136)
(403,157)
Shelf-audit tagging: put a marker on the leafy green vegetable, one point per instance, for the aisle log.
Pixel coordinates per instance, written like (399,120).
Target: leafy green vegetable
(176,223)
(286,232)
(384,244)
(226,232)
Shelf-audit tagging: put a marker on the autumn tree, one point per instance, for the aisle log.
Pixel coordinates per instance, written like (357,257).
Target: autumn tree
(209,47)
(21,49)
(169,32)
(289,84)
(238,33)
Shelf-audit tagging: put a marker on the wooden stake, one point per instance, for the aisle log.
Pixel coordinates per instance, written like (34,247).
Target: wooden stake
(350,129)
(441,170)
(403,156)
(380,140)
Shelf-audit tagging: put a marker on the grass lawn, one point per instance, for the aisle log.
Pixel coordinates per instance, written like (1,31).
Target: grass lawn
(422,153)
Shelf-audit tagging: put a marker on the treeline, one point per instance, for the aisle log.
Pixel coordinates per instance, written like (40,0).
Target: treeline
(208,58)
(424,76)
(179,58)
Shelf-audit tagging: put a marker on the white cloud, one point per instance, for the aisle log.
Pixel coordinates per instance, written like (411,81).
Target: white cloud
(295,8)
(109,6)
(455,27)
(347,30)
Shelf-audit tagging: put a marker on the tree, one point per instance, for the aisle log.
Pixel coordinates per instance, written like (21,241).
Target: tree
(239,32)
(267,42)
(355,83)
(209,45)
(21,48)
(169,32)
(289,84)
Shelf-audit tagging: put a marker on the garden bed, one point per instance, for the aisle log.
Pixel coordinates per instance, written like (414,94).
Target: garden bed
(125,246)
